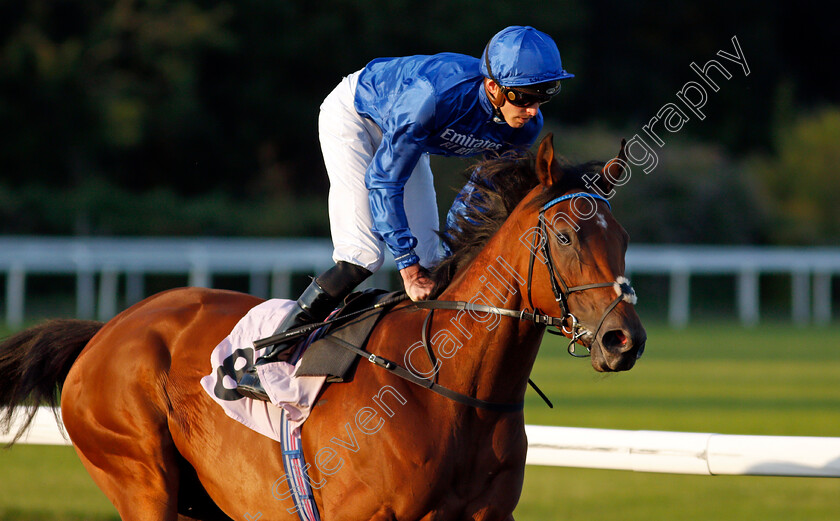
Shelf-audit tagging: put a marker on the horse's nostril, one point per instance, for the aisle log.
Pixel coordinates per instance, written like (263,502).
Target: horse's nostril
(615,339)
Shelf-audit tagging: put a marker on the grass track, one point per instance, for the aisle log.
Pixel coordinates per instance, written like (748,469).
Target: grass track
(40,482)
(770,381)
(718,378)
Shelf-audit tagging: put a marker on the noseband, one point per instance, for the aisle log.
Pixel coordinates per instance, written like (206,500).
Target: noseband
(570,326)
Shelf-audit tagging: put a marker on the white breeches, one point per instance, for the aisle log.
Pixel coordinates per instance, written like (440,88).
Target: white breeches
(348,142)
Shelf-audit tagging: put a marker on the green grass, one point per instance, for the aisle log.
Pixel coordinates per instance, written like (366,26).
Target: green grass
(769,381)
(585,494)
(773,380)
(40,482)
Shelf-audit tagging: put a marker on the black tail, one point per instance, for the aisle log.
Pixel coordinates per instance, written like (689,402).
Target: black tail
(34,364)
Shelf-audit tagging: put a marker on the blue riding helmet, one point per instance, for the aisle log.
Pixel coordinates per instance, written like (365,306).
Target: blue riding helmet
(520,56)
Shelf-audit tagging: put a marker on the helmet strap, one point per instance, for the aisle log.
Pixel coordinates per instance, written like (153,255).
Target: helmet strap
(496,102)
(499,99)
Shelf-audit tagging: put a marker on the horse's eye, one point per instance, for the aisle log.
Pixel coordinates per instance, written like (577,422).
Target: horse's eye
(563,238)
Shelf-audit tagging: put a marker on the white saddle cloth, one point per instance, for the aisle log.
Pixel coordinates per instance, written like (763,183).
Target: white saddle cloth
(291,396)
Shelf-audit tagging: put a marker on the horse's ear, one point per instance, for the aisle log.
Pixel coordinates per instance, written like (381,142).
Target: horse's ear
(614,169)
(548,169)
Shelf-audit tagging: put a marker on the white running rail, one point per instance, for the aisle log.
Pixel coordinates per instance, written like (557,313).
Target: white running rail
(640,451)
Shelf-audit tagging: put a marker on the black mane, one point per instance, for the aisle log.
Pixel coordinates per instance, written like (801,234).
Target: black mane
(501,183)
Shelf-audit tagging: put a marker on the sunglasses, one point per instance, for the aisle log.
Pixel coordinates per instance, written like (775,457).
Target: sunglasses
(521,98)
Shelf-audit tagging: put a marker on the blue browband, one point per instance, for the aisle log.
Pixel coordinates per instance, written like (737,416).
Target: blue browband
(574,195)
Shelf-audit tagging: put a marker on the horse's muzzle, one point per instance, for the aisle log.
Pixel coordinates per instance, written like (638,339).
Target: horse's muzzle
(620,347)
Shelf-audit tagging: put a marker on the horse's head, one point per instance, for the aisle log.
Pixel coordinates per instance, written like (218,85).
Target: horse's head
(578,253)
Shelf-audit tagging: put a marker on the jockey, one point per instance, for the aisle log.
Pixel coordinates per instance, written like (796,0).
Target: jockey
(377,130)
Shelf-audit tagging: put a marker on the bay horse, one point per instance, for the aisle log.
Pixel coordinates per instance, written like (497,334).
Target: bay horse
(380,448)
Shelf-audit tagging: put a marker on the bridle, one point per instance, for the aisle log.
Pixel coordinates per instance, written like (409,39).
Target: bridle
(570,326)
(566,325)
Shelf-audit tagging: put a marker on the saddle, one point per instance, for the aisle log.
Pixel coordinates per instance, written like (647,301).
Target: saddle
(326,356)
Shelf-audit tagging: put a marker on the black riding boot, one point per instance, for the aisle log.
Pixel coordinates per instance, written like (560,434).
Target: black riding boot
(317,301)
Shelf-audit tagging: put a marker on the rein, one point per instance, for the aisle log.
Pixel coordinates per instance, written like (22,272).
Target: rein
(567,325)
(393,367)
(429,383)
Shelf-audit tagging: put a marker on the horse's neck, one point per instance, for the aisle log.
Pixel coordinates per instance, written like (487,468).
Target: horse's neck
(498,352)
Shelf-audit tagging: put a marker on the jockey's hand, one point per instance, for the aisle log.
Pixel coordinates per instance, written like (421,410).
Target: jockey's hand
(417,283)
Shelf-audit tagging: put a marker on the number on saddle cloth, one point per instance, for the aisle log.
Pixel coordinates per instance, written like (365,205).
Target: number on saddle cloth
(325,357)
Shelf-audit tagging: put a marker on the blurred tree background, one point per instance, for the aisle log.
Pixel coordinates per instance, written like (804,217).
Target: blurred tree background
(185,117)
